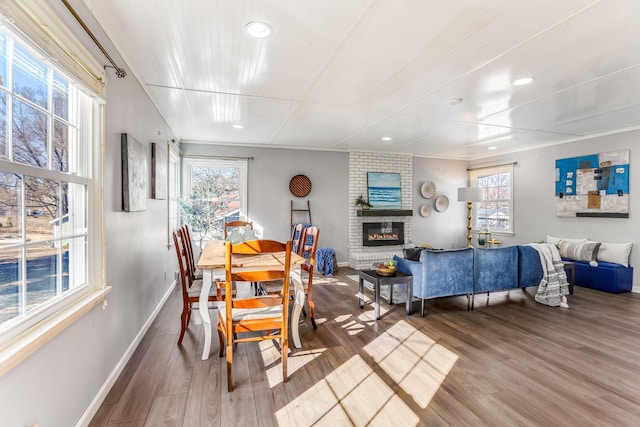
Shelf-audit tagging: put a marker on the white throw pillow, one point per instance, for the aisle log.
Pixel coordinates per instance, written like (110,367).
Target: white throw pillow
(556,240)
(617,253)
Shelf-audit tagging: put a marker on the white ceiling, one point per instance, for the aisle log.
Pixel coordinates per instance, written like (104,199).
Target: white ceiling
(341,74)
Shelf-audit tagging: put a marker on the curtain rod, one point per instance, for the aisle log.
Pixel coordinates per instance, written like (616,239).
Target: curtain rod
(219,157)
(492,166)
(119,71)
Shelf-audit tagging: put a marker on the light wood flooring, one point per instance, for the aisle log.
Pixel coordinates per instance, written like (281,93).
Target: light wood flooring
(509,362)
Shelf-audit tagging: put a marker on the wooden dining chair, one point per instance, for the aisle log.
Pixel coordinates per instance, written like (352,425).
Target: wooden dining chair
(261,313)
(296,238)
(190,288)
(304,275)
(188,243)
(234,224)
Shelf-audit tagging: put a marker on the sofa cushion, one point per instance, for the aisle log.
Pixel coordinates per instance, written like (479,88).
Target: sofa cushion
(579,251)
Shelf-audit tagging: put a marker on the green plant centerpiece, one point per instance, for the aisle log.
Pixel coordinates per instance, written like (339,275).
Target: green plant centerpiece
(362,203)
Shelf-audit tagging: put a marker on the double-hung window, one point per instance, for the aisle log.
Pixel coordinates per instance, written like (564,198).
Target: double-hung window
(214,192)
(51,249)
(495,212)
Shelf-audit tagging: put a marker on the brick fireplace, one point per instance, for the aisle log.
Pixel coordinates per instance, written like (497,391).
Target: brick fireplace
(361,256)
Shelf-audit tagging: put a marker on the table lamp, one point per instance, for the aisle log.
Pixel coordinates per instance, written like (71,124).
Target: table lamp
(469,195)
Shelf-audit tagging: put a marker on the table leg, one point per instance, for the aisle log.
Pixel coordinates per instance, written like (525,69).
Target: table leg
(361,293)
(409,295)
(377,289)
(203,307)
(295,317)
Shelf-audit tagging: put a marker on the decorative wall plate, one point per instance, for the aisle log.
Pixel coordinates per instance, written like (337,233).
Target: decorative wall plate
(300,185)
(425,210)
(428,189)
(442,203)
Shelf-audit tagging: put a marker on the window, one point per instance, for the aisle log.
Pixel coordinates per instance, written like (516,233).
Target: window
(50,200)
(495,212)
(214,192)
(174,179)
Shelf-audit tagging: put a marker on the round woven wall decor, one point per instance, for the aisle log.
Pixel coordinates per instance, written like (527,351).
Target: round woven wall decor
(300,185)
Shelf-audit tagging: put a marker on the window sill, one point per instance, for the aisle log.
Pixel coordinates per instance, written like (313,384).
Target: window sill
(31,340)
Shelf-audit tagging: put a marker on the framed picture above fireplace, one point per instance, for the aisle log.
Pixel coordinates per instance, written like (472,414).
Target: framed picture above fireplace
(384,190)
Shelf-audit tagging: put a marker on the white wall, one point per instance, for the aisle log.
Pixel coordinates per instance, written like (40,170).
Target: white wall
(54,386)
(270,199)
(446,229)
(534,196)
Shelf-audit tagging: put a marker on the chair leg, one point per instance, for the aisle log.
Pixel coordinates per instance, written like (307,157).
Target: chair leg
(189,316)
(229,364)
(422,307)
(221,340)
(284,348)
(184,321)
(312,307)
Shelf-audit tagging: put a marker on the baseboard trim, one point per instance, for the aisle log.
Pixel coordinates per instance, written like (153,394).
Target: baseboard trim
(93,407)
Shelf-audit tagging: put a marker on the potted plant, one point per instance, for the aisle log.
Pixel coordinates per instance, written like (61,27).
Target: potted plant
(362,203)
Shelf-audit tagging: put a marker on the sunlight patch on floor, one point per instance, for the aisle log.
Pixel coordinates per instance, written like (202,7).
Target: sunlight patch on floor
(273,364)
(351,394)
(413,360)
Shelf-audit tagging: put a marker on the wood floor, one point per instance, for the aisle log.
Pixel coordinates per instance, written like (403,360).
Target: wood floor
(509,362)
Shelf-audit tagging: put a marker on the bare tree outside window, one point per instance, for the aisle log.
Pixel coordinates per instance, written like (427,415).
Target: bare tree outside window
(34,211)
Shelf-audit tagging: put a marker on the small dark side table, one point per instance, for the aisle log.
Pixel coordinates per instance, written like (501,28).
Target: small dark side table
(378,280)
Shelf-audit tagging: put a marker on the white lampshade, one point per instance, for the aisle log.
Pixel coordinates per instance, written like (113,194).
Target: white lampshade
(470,194)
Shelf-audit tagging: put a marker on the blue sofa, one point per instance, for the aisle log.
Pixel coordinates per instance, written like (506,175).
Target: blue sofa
(440,273)
(469,271)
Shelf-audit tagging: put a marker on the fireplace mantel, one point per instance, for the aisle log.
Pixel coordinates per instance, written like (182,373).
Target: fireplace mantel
(385,212)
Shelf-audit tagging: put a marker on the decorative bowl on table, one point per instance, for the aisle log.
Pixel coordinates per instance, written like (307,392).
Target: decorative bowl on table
(385,268)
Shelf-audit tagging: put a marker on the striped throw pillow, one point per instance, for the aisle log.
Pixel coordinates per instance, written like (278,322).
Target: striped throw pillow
(579,251)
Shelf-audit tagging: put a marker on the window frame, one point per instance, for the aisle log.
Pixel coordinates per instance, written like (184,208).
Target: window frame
(474,176)
(173,214)
(189,163)
(24,335)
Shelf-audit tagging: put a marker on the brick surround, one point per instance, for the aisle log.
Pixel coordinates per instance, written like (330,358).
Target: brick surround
(361,257)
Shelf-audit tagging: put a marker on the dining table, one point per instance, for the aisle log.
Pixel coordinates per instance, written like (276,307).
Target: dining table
(212,264)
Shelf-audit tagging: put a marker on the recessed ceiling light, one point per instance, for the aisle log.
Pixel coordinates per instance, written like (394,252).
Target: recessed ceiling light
(386,138)
(522,81)
(455,101)
(492,148)
(259,29)
(238,126)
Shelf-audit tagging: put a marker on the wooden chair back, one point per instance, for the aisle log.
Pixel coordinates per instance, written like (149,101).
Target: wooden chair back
(309,244)
(188,246)
(262,313)
(296,238)
(234,224)
(185,279)
(190,287)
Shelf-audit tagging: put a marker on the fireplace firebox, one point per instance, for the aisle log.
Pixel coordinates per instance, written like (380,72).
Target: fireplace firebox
(382,233)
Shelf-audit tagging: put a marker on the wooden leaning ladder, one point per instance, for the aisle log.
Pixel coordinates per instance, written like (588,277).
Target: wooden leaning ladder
(308,210)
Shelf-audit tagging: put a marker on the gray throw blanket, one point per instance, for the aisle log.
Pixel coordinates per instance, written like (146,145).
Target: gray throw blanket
(553,286)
